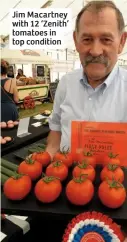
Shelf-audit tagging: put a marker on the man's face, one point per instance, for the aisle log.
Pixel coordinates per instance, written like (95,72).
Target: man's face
(98,42)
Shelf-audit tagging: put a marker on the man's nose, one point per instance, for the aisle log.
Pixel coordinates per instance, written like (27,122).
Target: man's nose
(96,48)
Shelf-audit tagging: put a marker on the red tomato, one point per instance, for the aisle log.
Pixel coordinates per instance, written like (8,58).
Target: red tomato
(65,157)
(80,191)
(112,171)
(31,168)
(57,169)
(84,168)
(87,157)
(42,157)
(111,159)
(18,187)
(48,189)
(112,193)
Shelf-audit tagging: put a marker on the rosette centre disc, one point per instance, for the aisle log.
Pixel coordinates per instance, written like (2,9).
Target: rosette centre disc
(92,237)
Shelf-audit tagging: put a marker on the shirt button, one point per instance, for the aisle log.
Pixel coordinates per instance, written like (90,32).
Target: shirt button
(90,98)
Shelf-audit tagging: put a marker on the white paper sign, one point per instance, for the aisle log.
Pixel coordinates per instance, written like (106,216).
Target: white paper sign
(23,127)
(39,116)
(2,236)
(37,124)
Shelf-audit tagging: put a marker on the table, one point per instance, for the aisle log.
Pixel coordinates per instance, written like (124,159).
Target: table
(36,134)
(30,206)
(58,214)
(61,209)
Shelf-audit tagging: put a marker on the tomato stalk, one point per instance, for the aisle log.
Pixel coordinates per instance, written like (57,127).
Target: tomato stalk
(17,176)
(57,163)
(81,178)
(48,179)
(112,167)
(114,184)
(111,155)
(64,152)
(29,160)
(83,165)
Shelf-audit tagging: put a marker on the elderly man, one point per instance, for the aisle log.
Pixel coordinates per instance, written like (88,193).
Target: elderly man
(98,91)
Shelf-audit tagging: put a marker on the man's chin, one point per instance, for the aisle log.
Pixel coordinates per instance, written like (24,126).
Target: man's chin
(96,70)
(96,75)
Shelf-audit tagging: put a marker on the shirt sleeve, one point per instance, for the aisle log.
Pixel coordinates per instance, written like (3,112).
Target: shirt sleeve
(55,117)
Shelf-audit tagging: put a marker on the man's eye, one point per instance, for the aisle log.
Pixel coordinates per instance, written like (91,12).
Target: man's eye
(107,40)
(86,39)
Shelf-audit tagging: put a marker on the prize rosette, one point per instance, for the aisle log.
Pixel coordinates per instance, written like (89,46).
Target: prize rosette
(92,227)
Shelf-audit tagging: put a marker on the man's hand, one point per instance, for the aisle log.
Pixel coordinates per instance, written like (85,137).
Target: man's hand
(53,143)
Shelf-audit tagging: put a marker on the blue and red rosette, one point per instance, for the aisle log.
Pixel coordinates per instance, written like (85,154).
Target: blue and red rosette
(92,227)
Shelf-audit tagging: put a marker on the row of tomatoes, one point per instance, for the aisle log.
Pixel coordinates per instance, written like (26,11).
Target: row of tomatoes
(68,159)
(34,164)
(34,168)
(79,191)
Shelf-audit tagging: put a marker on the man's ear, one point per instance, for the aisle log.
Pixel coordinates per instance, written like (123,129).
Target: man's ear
(122,42)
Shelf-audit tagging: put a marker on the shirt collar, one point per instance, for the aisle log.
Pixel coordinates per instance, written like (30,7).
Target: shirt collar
(108,80)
